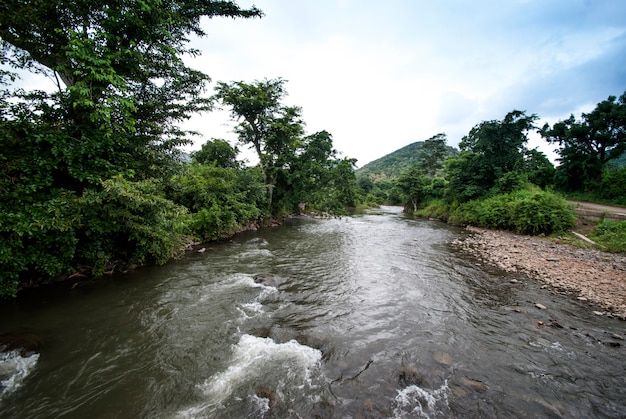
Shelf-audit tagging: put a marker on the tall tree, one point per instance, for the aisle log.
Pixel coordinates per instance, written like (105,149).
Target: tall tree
(433,152)
(123,84)
(218,152)
(66,157)
(587,145)
(271,128)
(490,150)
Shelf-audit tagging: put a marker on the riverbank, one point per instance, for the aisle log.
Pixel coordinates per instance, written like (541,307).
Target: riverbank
(589,275)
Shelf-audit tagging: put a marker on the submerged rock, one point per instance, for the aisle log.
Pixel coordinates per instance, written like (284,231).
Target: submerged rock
(269,280)
(443,358)
(409,376)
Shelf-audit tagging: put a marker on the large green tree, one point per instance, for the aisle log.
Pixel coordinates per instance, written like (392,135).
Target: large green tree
(587,145)
(264,123)
(123,87)
(77,165)
(218,152)
(490,151)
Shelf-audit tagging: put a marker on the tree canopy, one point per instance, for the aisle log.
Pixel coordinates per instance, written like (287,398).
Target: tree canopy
(586,146)
(81,168)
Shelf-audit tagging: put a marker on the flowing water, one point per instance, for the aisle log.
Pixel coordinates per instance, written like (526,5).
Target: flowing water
(367,316)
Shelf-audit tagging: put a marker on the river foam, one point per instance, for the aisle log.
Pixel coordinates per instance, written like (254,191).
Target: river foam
(414,401)
(13,370)
(259,362)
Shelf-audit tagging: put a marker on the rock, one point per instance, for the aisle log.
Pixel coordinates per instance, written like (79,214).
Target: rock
(541,306)
(474,384)
(443,358)
(408,376)
(268,280)
(202,250)
(611,343)
(598,313)
(582,298)
(268,394)
(616,336)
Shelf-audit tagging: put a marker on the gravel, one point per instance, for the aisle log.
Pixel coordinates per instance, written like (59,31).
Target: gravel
(589,275)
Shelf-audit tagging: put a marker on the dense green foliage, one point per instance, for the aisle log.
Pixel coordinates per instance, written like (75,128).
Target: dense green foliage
(91,176)
(611,235)
(489,183)
(588,145)
(297,170)
(525,211)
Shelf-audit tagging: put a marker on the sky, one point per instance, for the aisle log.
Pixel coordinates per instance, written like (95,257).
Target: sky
(379,75)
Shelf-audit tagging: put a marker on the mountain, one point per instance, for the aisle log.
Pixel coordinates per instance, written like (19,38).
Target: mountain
(394,164)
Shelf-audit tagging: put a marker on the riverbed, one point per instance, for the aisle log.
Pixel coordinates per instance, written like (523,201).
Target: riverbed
(374,315)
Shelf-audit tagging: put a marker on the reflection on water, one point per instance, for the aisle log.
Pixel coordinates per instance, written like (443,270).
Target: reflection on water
(365,316)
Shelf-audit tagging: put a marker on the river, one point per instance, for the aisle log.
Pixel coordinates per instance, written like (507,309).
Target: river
(368,316)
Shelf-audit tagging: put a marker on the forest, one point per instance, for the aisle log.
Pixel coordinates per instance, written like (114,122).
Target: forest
(93,180)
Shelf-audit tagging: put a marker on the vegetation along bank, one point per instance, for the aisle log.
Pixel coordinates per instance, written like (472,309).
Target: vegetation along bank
(93,179)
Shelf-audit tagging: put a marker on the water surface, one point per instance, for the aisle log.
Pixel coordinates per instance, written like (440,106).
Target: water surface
(367,316)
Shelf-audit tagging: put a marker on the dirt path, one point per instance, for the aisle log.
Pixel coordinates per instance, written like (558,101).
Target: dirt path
(599,210)
(589,275)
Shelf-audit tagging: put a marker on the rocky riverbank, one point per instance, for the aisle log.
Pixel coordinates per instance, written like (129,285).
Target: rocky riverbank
(586,274)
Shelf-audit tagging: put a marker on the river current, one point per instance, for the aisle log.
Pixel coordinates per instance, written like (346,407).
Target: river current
(368,316)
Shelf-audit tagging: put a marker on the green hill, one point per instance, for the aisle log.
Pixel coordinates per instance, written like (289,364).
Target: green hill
(394,164)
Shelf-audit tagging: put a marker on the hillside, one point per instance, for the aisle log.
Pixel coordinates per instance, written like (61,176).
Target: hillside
(394,164)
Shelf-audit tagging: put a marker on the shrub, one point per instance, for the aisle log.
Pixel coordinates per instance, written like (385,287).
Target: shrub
(611,235)
(527,211)
(132,221)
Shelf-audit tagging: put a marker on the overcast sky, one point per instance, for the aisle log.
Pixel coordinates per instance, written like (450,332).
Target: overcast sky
(379,75)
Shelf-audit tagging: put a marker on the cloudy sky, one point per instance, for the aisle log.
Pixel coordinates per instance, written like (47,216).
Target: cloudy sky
(380,75)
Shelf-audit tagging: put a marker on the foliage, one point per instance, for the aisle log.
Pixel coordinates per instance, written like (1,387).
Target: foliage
(538,168)
(132,221)
(586,146)
(81,168)
(39,239)
(296,169)
(527,211)
(612,186)
(272,129)
(217,152)
(221,200)
(490,150)
(611,235)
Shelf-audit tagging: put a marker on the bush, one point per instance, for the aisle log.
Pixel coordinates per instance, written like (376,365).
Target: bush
(221,200)
(613,186)
(39,242)
(527,211)
(132,221)
(611,235)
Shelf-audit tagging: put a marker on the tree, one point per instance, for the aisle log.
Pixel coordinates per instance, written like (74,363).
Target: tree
(123,85)
(411,185)
(218,152)
(538,168)
(490,150)
(433,152)
(77,165)
(272,129)
(586,146)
